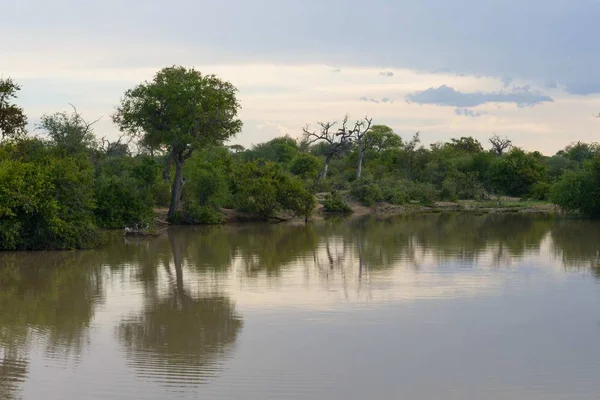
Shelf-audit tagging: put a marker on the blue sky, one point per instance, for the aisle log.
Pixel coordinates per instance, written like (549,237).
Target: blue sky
(528,69)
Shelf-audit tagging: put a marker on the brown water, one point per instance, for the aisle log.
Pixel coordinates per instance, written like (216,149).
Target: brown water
(425,307)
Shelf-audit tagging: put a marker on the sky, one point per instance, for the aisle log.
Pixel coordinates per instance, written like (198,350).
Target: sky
(526,69)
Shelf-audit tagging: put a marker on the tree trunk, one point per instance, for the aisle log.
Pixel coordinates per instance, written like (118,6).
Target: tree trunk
(167,169)
(323,173)
(360,161)
(177,186)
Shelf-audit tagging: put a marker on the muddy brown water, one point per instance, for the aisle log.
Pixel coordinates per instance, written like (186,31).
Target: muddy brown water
(451,306)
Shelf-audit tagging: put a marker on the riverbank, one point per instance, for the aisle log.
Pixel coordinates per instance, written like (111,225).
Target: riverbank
(503,205)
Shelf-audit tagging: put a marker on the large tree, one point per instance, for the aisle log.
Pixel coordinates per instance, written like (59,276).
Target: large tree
(12,117)
(178,111)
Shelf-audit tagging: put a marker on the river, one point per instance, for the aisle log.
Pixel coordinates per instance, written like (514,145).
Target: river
(452,306)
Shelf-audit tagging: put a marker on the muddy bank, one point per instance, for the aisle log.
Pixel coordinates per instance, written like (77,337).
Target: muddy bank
(507,205)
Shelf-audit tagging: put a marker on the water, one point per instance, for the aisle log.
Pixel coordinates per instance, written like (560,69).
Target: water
(449,306)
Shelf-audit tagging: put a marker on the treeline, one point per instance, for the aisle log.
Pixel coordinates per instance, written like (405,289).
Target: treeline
(59,188)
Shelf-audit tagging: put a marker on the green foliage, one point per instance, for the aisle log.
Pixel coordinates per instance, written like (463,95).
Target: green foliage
(121,202)
(306,166)
(578,191)
(279,150)
(515,173)
(466,144)
(334,203)
(180,110)
(46,202)
(12,118)
(540,191)
(395,195)
(381,138)
(557,165)
(580,152)
(125,190)
(161,193)
(203,215)
(207,174)
(449,191)
(424,193)
(466,185)
(366,191)
(68,132)
(263,189)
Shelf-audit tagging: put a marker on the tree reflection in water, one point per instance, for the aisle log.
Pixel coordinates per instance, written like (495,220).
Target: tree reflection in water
(188,324)
(48,300)
(179,338)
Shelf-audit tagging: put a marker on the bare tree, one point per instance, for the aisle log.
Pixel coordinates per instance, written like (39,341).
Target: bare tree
(336,140)
(500,144)
(360,130)
(116,148)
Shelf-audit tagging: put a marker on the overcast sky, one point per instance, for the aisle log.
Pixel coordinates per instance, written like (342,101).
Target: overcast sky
(528,69)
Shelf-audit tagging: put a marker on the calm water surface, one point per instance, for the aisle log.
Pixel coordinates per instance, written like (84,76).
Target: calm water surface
(425,307)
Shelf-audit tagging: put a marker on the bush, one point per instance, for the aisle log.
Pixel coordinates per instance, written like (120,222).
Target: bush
(425,193)
(46,203)
(578,191)
(334,203)
(366,191)
(516,172)
(448,191)
(207,179)
(540,191)
(121,202)
(306,166)
(161,193)
(204,215)
(263,189)
(395,195)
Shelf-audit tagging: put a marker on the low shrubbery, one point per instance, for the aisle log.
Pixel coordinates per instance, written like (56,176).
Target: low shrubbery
(334,203)
(578,191)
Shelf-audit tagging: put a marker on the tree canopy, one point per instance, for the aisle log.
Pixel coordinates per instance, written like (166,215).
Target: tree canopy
(179,111)
(12,118)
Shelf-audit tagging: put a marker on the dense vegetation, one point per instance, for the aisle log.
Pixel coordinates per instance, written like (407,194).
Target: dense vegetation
(59,188)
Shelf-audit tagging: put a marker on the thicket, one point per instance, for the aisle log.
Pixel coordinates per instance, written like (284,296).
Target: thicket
(59,189)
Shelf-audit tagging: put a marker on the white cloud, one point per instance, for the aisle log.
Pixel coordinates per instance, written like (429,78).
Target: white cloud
(293,66)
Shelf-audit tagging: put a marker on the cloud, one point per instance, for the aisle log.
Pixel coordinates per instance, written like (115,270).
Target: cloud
(373,100)
(506,80)
(470,37)
(447,96)
(387,74)
(275,126)
(467,112)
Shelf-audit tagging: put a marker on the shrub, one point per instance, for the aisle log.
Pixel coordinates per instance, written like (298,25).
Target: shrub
(425,193)
(306,166)
(448,191)
(204,215)
(395,195)
(540,191)
(263,189)
(578,191)
(515,173)
(121,202)
(366,191)
(334,203)
(46,204)
(161,193)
